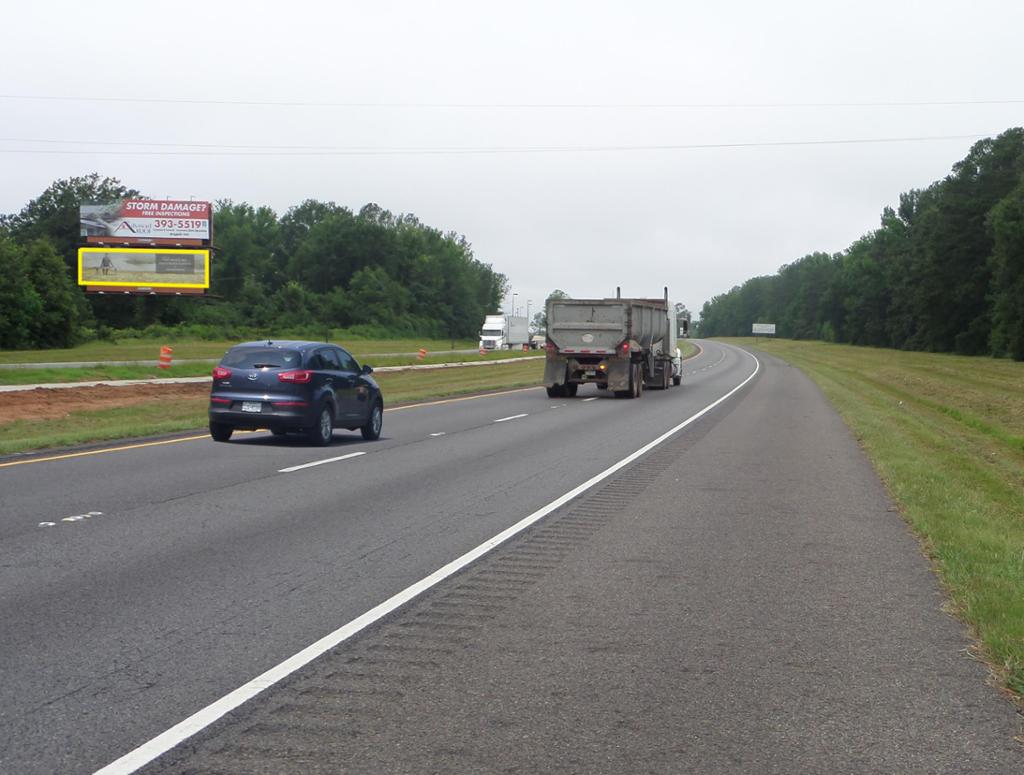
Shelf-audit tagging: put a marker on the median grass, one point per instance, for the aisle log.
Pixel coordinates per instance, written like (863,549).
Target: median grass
(79,427)
(159,416)
(946,435)
(30,376)
(148,349)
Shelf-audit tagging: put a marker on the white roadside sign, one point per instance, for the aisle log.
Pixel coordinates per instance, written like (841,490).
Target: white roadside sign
(764,328)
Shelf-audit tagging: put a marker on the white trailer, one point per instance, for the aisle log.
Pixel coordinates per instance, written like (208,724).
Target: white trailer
(504,332)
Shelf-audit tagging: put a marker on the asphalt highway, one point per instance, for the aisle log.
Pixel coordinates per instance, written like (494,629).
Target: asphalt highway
(741,598)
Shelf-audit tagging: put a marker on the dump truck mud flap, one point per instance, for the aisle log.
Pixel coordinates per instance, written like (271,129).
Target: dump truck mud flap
(554,371)
(618,373)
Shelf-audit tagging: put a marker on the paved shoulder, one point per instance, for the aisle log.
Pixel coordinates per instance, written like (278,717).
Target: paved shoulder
(742,599)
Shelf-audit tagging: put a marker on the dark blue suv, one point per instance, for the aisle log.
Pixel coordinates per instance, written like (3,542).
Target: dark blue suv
(294,387)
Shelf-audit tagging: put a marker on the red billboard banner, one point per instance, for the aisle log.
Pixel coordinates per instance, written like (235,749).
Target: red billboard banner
(145,220)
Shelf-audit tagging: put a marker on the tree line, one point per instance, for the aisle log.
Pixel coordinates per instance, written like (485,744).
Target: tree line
(319,265)
(943,273)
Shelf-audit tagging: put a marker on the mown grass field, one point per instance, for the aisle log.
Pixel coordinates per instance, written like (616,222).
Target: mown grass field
(181,414)
(946,435)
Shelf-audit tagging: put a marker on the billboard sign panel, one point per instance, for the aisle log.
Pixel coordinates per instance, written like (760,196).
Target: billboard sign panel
(145,220)
(144,268)
(764,328)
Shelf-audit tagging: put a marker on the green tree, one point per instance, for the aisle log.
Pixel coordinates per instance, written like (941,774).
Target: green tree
(299,220)
(20,304)
(1007,265)
(375,297)
(953,274)
(56,324)
(248,243)
(54,214)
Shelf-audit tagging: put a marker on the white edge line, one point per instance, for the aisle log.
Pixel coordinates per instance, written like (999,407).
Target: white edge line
(319,462)
(513,417)
(201,719)
(592,398)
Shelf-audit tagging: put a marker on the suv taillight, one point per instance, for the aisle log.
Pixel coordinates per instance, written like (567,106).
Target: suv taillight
(298,377)
(219,372)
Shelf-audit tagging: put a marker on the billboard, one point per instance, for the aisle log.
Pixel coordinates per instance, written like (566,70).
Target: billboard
(144,268)
(146,220)
(764,328)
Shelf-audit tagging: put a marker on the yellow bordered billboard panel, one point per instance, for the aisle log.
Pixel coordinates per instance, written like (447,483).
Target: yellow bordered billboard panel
(144,267)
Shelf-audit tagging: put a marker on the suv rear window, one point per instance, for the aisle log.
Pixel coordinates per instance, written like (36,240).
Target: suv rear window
(262,357)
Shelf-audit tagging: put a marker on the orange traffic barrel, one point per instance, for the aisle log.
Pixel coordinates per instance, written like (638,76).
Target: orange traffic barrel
(164,362)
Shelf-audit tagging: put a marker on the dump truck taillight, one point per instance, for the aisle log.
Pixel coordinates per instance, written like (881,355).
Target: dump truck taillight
(550,346)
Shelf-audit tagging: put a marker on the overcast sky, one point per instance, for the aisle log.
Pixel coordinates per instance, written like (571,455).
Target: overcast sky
(571,76)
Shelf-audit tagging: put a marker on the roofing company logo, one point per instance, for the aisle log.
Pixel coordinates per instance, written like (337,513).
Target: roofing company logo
(124,225)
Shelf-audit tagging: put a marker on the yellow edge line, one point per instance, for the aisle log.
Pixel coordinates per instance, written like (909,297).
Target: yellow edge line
(206,435)
(110,449)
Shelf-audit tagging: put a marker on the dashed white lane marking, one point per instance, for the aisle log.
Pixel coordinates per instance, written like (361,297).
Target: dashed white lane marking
(513,417)
(437,434)
(319,462)
(74,518)
(201,719)
(592,398)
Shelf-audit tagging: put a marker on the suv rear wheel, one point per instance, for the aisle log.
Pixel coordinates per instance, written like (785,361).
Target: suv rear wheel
(220,432)
(321,433)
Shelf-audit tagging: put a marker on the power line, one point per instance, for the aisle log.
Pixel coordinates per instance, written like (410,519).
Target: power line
(205,145)
(520,105)
(299,151)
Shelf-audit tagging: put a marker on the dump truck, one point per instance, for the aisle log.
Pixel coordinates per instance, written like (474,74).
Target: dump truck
(623,345)
(504,332)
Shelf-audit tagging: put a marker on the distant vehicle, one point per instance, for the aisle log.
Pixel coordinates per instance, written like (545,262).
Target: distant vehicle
(619,344)
(537,341)
(504,332)
(294,387)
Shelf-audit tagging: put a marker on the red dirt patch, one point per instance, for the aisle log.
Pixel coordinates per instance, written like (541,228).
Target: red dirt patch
(47,403)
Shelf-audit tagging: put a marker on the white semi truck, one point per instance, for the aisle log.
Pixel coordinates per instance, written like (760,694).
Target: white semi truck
(618,344)
(504,332)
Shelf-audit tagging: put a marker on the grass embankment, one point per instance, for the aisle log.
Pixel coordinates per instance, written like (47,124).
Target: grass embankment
(946,434)
(163,415)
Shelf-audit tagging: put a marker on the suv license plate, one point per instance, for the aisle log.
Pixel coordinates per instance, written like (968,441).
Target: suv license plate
(591,373)
(252,406)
